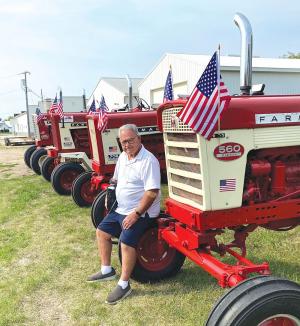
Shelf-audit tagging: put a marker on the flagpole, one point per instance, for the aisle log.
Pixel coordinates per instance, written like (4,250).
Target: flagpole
(218,81)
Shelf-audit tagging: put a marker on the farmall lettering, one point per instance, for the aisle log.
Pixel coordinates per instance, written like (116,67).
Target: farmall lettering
(272,118)
(229,151)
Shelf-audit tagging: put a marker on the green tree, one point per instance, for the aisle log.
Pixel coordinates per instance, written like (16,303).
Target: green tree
(292,55)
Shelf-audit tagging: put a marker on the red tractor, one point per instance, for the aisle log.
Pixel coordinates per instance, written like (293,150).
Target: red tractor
(64,161)
(43,138)
(247,176)
(88,188)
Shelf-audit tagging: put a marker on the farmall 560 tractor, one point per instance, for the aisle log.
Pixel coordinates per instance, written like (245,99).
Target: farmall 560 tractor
(89,188)
(247,176)
(43,138)
(64,161)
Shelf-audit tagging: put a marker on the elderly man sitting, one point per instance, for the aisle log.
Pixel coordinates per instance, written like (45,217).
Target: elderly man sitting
(137,174)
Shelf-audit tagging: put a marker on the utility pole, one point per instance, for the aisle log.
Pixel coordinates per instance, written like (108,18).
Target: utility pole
(26,98)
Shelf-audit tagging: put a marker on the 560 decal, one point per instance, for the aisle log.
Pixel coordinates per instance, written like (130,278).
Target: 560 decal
(229,151)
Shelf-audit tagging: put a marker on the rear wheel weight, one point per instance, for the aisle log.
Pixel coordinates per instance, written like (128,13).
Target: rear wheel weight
(47,167)
(98,211)
(82,192)
(63,176)
(259,301)
(36,157)
(155,259)
(28,154)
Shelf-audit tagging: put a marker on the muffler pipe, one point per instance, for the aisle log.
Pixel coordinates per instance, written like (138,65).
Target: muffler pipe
(246,53)
(129,92)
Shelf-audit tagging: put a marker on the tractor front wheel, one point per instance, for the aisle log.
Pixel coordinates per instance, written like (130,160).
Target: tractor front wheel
(259,301)
(47,167)
(83,192)
(156,260)
(37,159)
(63,175)
(28,154)
(98,211)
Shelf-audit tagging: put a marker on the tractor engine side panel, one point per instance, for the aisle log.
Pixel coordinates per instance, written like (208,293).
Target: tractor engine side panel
(198,177)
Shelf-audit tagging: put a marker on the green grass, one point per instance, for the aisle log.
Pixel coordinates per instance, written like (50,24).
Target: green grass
(48,249)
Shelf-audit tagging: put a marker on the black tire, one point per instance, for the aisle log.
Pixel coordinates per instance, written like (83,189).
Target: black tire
(28,154)
(98,211)
(82,191)
(151,268)
(257,300)
(47,167)
(63,175)
(36,158)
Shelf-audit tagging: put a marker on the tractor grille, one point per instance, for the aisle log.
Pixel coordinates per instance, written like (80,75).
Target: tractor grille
(93,138)
(183,157)
(35,127)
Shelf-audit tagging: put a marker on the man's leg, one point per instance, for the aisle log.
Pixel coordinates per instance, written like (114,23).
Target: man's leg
(128,261)
(104,247)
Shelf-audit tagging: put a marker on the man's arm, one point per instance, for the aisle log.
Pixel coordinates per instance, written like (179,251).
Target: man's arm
(146,201)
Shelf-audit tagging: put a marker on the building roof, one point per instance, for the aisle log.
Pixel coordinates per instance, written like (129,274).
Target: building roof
(233,63)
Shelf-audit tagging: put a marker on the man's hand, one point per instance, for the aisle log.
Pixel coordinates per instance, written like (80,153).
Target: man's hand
(129,220)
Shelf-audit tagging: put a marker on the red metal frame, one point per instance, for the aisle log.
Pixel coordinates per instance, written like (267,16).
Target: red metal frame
(45,132)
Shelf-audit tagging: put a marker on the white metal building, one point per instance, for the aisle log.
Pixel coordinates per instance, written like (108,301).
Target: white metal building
(115,91)
(281,76)
(19,121)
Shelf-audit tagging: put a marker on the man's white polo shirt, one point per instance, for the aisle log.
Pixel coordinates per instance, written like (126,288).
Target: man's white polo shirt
(134,177)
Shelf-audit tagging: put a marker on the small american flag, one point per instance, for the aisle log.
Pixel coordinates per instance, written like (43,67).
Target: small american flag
(208,100)
(53,106)
(39,115)
(227,185)
(168,93)
(92,109)
(60,106)
(102,115)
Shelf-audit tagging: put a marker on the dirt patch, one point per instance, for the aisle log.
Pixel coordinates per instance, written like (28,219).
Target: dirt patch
(46,308)
(12,162)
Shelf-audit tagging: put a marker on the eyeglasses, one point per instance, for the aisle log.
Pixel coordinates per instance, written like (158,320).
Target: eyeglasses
(129,141)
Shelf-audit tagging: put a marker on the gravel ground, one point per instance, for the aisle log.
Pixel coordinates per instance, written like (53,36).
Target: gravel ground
(12,162)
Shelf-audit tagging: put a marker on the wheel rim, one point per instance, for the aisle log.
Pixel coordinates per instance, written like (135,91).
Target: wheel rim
(67,179)
(153,254)
(41,160)
(87,193)
(281,320)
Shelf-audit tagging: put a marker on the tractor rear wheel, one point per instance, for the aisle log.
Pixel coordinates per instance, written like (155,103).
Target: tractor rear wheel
(63,175)
(37,158)
(47,167)
(259,301)
(156,260)
(98,211)
(28,154)
(83,192)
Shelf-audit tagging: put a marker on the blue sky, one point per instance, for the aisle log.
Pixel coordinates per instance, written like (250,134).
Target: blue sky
(72,43)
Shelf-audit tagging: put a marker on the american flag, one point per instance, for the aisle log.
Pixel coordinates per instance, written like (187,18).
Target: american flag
(53,106)
(60,106)
(92,109)
(39,115)
(208,100)
(102,115)
(227,185)
(168,92)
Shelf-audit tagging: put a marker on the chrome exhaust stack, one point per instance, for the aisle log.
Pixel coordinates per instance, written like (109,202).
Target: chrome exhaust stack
(246,53)
(129,92)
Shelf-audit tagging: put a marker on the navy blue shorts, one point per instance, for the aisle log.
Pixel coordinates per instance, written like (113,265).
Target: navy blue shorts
(112,224)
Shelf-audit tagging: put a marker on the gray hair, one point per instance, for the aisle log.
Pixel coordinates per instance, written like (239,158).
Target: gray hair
(129,126)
